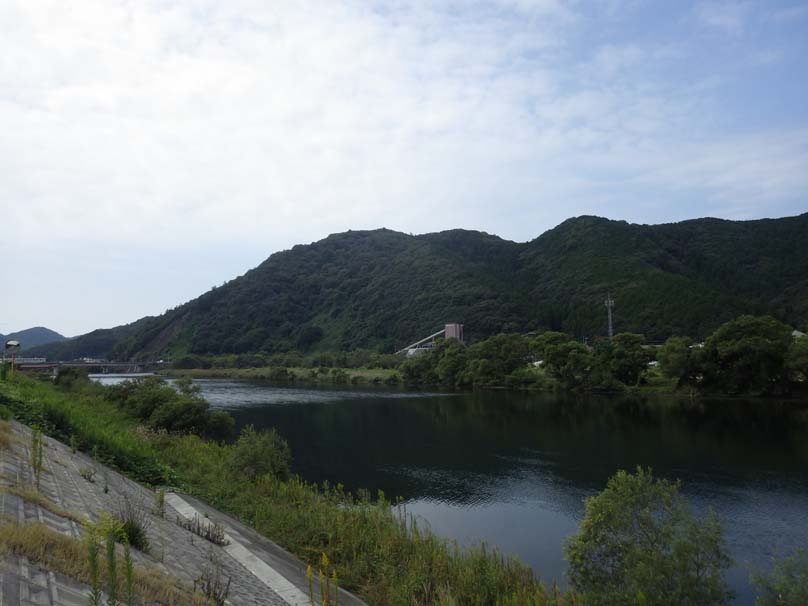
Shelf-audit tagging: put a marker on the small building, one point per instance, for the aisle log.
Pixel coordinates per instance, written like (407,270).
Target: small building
(454,331)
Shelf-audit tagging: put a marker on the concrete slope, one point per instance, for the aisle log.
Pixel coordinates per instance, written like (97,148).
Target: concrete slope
(260,571)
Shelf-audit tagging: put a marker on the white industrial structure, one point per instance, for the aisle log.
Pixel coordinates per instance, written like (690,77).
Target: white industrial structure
(449,331)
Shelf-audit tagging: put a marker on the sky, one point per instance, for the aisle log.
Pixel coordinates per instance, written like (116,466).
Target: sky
(150,150)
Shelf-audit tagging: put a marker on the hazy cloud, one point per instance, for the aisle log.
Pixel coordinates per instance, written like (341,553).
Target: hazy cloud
(727,16)
(142,136)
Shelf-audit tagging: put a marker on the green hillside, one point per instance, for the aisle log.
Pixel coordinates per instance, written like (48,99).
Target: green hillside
(31,337)
(382,289)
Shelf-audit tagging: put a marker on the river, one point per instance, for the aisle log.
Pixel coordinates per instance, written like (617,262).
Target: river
(513,469)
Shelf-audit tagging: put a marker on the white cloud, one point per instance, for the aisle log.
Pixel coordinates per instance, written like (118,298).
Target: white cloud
(244,127)
(729,17)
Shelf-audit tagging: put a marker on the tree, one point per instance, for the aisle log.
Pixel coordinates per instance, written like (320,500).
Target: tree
(676,360)
(541,344)
(747,355)
(452,361)
(786,584)
(570,362)
(505,352)
(797,360)
(638,544)
(629,359)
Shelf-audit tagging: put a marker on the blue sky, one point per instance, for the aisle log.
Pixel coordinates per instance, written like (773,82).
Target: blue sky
(151,150)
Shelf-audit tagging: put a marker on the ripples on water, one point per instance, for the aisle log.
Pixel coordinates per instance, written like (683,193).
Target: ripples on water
(513,469)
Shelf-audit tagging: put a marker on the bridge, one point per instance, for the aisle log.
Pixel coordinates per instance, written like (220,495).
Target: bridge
(95,367)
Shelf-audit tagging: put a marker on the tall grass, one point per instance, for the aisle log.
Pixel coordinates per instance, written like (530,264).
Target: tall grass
(70,557)
(82,416)
(374,547)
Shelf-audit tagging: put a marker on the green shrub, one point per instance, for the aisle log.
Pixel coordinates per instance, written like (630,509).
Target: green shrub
(259,453)
(639,545)
(70,376)
(92,422)
(786,584)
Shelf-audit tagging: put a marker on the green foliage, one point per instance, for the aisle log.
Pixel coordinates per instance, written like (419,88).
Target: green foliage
(131,518)
(491,362)
(85,414)
(381,289)
(260,453)
(112,568)
(94,599)
(570,362)
(372,546)
(69,376)
(545,342)
(677,360)
(786,584)
(36,453)
(628,359)
(179,409)
(638,544)
(747,355)
(797,360)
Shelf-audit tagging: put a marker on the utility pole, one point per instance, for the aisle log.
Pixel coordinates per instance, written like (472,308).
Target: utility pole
(609,303)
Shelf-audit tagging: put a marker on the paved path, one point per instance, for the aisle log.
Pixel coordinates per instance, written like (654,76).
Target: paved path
(262,573)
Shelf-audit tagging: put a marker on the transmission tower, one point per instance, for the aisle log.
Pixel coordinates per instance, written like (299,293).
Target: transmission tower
(609,303)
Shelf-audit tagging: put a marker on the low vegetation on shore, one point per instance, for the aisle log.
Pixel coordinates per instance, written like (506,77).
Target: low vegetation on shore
(638,541)
(751,355)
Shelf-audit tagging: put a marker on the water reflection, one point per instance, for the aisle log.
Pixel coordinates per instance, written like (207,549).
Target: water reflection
(513,469)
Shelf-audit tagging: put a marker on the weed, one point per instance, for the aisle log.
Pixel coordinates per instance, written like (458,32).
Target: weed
(160,503)
(72,558)
(133,517)
(212,531)
(36,454)
(32,496)
(6,436)
(92,565)
(128,576)
(88,474)
(372,545)
(113,533)
(325,582)
(211,582)
(74,443)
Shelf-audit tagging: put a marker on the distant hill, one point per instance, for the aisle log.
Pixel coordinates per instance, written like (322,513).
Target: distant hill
(31,337)
(381,289)
(96,344)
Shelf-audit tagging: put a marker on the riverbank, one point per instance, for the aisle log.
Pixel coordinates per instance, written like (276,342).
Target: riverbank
(654,382)
(282,374)
(370,545)
(54,504)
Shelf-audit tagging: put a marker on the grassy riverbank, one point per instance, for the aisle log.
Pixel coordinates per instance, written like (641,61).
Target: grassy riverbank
(373,546)
(281,374)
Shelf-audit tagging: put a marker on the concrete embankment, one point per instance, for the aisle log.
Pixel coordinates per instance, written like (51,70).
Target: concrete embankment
(72,488)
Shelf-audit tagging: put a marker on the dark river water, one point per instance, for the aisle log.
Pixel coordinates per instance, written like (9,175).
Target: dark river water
(513,469)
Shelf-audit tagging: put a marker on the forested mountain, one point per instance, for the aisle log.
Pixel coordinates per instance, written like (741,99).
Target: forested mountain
(382,289)
(31,337)
(96,344)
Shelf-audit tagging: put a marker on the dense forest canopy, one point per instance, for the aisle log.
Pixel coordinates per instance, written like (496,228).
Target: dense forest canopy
(382,289)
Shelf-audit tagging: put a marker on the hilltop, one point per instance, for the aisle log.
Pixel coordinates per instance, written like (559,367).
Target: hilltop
(380,289)
(31,337)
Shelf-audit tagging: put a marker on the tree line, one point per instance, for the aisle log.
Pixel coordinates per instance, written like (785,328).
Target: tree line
(754,355)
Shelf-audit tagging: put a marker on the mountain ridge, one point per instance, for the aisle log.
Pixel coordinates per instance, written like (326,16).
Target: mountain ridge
(34,336)
(379,289)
